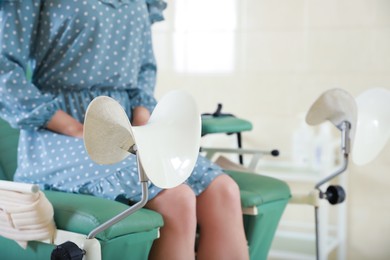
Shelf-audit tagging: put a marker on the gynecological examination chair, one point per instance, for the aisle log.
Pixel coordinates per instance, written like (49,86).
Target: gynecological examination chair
(77,226)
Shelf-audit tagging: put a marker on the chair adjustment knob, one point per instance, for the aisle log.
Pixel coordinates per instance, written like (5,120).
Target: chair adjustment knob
(335,194)
(67,251)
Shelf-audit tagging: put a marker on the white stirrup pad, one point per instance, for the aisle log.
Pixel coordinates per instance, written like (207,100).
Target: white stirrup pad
(167,146)
(335,105)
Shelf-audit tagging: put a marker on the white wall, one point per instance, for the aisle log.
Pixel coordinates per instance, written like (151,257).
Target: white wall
(268,60)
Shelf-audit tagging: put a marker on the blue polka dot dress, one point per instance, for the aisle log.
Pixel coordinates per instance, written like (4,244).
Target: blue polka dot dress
(78,50)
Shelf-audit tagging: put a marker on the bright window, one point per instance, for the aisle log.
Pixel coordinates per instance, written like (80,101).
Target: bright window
(204,36)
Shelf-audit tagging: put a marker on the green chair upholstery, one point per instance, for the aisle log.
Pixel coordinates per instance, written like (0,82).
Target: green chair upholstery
(224,124)
(218,123)
(132,237)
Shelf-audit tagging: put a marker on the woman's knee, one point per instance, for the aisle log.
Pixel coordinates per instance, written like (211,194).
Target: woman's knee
(183,200)
(224,187)
(220,199)
(176,204)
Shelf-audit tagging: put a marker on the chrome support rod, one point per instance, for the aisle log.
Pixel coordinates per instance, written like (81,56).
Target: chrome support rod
(144,199)
(345,128)
(338,172)
(317,233)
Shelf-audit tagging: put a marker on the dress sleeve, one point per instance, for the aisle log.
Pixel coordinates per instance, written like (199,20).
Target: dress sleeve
(155,8)
(143,94)
(21,102)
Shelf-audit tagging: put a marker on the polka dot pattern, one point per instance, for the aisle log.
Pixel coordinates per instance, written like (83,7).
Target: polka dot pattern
(78,49)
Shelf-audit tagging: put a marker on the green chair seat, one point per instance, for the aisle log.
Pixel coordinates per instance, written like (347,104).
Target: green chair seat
(224,124)
(258,189)
(72,213)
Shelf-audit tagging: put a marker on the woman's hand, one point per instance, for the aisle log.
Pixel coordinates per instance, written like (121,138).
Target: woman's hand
(141,116)
(63,123)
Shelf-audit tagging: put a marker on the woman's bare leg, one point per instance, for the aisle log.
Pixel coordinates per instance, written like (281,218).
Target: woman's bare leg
(178,208)
(220,220)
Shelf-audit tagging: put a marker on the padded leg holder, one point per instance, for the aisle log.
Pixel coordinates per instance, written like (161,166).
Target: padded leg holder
(268,198)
